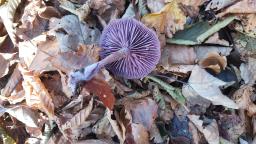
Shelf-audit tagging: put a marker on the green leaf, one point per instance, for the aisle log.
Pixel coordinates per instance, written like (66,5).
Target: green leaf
(198,33)
(5,137)
(174,92)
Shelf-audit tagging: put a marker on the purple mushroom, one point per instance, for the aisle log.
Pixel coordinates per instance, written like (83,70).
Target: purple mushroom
(129,50)
(138,46)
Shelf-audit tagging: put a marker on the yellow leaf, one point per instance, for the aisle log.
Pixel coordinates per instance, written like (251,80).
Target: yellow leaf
(169,20)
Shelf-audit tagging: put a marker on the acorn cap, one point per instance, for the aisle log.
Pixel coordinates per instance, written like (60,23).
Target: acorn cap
(138,45)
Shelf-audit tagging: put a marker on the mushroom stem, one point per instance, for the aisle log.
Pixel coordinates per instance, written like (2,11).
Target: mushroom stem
(114,57)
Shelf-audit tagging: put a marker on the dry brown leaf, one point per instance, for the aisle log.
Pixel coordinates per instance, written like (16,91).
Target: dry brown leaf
(241,7)
(215,39)
(243,99)
(211,132)
(175,54)
(119,130)
(155,134)
(155,5)
(79,118)
(214,62)
(247,24)
(219,4)
(12,82)
(36,52)
(36,93)
(14,98)
(70,32)
(201,51)
(49,12)
(248,71)
(140,134)
(169,20)
(101,89)
(25,115)
(5,62)
(103,128)
(143,111)
(207,86)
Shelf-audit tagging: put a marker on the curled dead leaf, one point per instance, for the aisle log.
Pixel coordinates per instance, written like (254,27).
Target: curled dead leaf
(169,20)
(36,93)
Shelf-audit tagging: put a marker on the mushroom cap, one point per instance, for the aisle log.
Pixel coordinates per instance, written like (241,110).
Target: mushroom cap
(142,44)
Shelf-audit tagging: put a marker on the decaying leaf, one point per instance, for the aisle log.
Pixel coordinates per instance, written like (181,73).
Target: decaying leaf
(214,62)
(175,93)
(207,86)
(247,25)
(210,132)
(242,6)
(79,118)
(24,114)
(243,99)
(169,20)
(175,54)
(5,62)
(219,4)
(142,111)
(12,83)
(36,93)
(140,134)
(7,16)
(248,71)
(6,138)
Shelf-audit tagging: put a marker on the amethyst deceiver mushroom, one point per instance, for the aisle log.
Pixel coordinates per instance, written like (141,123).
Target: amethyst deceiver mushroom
(129,50)
(138,45)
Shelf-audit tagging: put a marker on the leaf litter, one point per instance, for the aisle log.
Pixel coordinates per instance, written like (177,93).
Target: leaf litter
(202,90)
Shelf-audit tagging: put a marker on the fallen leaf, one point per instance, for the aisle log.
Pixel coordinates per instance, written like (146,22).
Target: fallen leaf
(198,32)
(6,138)
(24,114)
(169,20)
(219,4)
(248,71)
(245,45)
(36,93)
(12,82)
(143,111)
(176,54)
(79,118)
(155,134)
(82,11)
(211,131)
(5,62)
(140,134)
(243,6)
(175,93)
(243,99)
(119,130)
(155,5)
(215,39)
(103,127)
(201,51)
(48,12)
(101,89)
(207,86)
(70,32)
(247,25)
(214,61)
